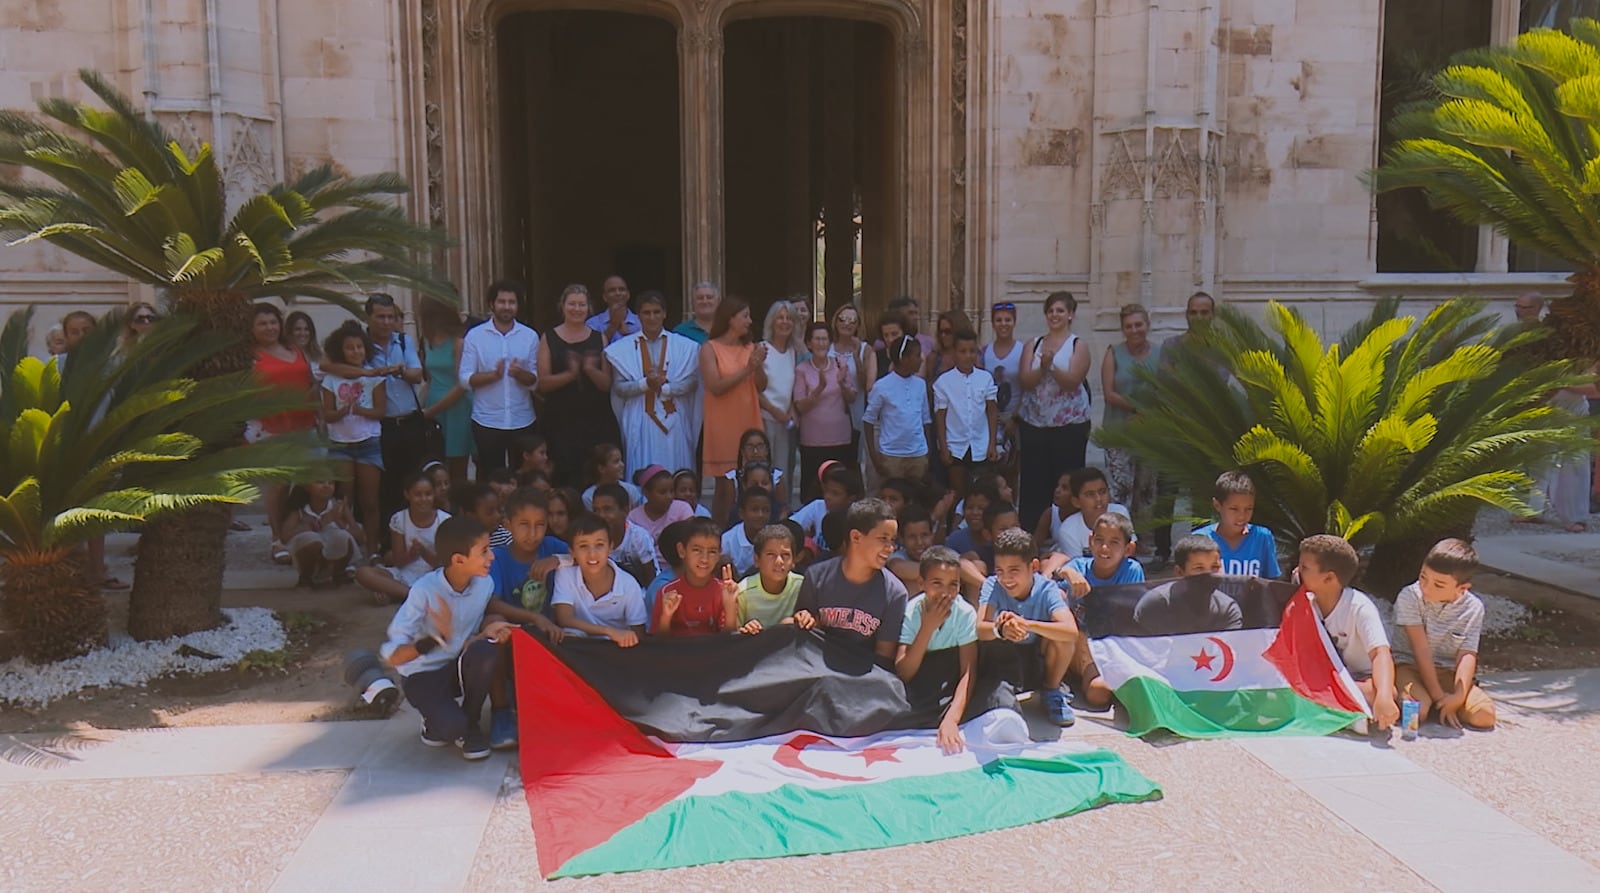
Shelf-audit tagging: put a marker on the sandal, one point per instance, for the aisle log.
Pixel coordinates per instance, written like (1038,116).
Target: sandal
(280,553)
(113,583)
(239,526)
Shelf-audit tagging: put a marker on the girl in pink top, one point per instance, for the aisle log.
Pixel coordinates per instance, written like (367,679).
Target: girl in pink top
(823,391)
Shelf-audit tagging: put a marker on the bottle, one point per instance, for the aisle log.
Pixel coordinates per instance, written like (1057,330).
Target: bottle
(1410,715)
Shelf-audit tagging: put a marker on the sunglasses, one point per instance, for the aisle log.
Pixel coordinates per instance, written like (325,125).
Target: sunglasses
(1004,305)
(144,317)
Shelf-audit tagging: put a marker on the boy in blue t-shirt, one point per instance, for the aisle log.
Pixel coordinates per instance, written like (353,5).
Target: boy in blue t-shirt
(520,575)
(1248,550)
(1108,544)
(1023,614)
(938,620)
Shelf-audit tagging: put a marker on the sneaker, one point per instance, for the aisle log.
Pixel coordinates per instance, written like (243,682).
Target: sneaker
(382,695)
(432,742)
(503,728)
(474,746)
(1057,708)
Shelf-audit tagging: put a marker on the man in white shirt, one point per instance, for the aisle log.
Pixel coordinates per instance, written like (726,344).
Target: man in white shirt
(655,391)
(499,360)
(965,412)
(616,321)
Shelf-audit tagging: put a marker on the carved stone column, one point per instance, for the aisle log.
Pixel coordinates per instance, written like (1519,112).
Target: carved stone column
(700,128)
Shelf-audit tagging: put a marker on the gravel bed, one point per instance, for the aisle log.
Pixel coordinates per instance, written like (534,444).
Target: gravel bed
(1501,616)
(126,662)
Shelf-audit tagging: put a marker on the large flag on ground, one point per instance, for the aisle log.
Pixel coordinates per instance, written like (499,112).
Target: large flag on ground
(606,798)
(1211,657)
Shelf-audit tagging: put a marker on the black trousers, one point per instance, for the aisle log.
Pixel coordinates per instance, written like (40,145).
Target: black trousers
(1047,454)
(434,692)
(496,447)
(402,455)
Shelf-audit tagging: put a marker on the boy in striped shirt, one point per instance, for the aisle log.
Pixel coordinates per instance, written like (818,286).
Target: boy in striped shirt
(1437,622)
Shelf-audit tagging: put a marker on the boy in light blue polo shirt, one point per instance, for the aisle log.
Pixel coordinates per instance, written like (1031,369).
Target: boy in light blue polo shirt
(1024,615)
(1248,550)
(937,622)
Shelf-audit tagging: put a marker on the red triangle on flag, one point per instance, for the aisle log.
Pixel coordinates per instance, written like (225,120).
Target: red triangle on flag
(568,738)
(1305,656)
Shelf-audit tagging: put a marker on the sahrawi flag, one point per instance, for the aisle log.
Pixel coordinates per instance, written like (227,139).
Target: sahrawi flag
(1211,657)
(605,797)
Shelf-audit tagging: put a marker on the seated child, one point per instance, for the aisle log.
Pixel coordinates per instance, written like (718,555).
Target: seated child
(501,480)
(667,545)
(1111,545)
(1248,550)
(1191,603)
(978,564)
(1081,497)
(483,504)
(835,528)
(841,485)
(435,644)
(757,476)
(536,480)
(320,532)
(1034,635)
(1437,622)
(439,476)
(686,487)
(766,598)
(605,466)
(898,493)
(660,507)
(594,597)
(853,596)
(634,550)
(533,456)
(411,534)
(693,604)
(963,539)
(916,535)
(937,620)
(1327,564)
(738,544)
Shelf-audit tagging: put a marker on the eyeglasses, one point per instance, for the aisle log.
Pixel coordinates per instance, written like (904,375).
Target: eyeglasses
(1004,305)
(144,318)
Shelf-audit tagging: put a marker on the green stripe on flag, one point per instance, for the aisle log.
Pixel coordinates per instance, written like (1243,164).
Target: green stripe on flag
(796,820)
(1152,705)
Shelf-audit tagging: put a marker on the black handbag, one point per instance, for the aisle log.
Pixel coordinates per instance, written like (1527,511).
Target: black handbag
(417,427)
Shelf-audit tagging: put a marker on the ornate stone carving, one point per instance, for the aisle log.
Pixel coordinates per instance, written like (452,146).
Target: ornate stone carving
(182,128)
(1123,174)
(958,153)
(1176,167)
(248,169)
(1175,170)
(433,126)
(701,39)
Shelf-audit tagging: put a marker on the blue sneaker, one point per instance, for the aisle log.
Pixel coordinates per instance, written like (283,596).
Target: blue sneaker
(503,728)
(1057,708)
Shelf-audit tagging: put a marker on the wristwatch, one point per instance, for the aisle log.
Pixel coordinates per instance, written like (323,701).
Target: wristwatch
(426,645)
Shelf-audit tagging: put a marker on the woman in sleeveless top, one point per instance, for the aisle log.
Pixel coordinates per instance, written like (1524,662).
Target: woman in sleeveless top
(283,367)
(1053,416)
(1133,483)
(851,350)
(732,374)
(446,401)
(573,378)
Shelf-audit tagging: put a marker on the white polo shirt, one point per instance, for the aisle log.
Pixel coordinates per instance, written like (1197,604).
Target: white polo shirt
(505,405)
(965,399)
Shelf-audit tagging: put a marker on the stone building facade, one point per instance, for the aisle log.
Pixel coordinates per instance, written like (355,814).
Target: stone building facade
(965,151)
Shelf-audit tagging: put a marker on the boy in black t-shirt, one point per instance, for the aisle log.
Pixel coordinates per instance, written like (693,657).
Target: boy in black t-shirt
(854,594)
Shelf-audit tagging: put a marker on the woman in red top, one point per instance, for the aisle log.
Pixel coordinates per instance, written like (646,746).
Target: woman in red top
(285,367)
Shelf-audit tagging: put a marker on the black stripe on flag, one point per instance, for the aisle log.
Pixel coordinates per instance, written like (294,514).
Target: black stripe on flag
(1185,605)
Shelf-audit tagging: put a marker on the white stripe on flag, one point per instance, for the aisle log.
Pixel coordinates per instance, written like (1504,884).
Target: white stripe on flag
(1219,661)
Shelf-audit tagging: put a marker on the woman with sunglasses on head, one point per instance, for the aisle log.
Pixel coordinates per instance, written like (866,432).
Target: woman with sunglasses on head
(141,316)
(943,356)
(849,348)
(1053,413)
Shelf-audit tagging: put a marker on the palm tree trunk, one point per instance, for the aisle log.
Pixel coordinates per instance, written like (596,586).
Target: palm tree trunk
(1575,320)
(177,576)
(51,606)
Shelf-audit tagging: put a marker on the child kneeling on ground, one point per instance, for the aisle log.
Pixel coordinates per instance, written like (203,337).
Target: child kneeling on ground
(1437,623)
(435,644)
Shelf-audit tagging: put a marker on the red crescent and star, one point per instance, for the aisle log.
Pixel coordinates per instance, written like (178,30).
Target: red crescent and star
(788,756)
(1203,660)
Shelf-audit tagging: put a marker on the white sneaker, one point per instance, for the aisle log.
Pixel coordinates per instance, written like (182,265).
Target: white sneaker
(1359,727)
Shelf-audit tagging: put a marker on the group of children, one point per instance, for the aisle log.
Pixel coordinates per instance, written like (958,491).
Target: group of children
(622,564)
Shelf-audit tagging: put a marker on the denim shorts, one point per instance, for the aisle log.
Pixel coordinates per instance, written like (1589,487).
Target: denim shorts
(362,452)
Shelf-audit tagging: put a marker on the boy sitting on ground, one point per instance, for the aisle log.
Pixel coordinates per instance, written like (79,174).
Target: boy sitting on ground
(1110,561)
(738,544)
(632,548)
(937,620)
(766,598)
(1327,564)
(916,535)
(1192,603)
(692,605)
(1248,550)
(435,644)
(1023,613)
(854,596)
(1437,622)
(594,597)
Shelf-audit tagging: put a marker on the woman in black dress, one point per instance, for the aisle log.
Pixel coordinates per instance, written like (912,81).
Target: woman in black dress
(575,384)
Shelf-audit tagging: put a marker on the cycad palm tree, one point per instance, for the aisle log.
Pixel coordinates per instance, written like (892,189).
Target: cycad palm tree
(127,197)
(1512,140)
(1393,437)
(105,445)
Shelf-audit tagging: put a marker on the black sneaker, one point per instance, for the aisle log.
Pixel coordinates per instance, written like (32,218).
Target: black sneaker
(431,741)
(475,746)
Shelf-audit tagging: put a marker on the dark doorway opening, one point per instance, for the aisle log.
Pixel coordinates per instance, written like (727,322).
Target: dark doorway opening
(810,196)
(589,154)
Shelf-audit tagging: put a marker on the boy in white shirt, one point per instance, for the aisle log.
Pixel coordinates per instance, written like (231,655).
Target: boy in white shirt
(965,416)
(1327,564)
(593,597)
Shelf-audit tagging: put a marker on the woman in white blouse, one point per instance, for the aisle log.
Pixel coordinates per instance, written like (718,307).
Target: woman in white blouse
(777,399)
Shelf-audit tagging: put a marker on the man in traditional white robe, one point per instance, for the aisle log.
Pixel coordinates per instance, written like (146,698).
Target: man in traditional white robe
(655,391)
